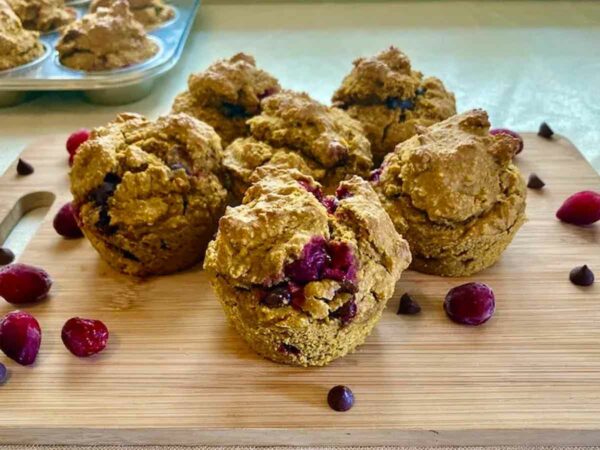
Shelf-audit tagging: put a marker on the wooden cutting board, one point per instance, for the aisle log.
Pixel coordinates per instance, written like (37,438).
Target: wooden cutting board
(174,373)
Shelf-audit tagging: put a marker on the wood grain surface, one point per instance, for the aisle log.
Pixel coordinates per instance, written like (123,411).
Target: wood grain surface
(175,373)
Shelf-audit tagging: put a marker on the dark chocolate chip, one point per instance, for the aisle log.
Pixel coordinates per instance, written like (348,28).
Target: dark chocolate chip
(129,255)
(288,349)
(395,103)
(278,297)
(408,305)
(340,398)
(6,256)
(420,90)
(3,373)
(24,168)
(346,313)
(545,131)
(535,182)
(103,223)
(581,276)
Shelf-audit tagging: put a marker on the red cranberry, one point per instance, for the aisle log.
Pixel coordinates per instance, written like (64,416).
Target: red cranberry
(84,337)
(76,139)
(581,208)
(376,175)
(342,265)
(311,263)
(21,283)
(65,222)
(278,297)
(330,203)
(340,398)
(470,304)
(20,337)
(342,192)
(314,190)
(511,133)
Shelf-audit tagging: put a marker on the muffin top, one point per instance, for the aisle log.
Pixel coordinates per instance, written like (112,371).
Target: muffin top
(452,171)
(295,247)
(43,15)
(108,39)
(233,85)
(149,13)
(134,172)
(296,131)
(17,45)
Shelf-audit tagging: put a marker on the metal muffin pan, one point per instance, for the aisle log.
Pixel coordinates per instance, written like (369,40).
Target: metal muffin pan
(114,87)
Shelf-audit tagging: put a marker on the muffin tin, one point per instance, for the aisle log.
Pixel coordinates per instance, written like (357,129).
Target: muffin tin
(112,87)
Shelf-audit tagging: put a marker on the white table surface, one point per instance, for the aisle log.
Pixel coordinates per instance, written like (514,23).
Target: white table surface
(524,62)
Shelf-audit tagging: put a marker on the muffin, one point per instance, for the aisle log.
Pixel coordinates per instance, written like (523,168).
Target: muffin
(453,192)
(108,39)
(149,194)
(43,15)
(295,131)
(391,100)
(226,94)
(18,46)
(150,13)
(304,278)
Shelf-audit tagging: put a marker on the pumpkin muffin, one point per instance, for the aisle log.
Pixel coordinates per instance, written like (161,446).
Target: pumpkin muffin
(150,13)
(108,39)
(295,131)
(149,194)
(391,100)
(226,94)
(453,192)
(43,15)
(304,278)
(18,46)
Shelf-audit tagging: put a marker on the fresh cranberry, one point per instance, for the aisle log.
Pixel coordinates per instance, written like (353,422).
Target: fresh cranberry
(346,313)
(510,133)
(581,208)
(84,337)
(311,263)
(470,304)
(330,203)
(342,192)
(342,265)
(298,298)
(20,337)
(21,283)
(340,398)
(74,141)
(314,190)
(65,222)
(376,175)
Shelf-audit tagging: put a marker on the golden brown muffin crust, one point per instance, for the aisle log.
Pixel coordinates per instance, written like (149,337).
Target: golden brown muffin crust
(43,15)
(150,13)
(18,46)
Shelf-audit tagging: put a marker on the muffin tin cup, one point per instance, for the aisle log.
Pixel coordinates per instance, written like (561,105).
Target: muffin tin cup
(111,87)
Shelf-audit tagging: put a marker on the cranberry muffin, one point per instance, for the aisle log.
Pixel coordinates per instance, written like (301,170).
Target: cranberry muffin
(109,39)
(302,277)
(148,195)
(18,46)
(454,194)
(295,131)
(150,13)
(43,15)
(391,100)
(227,94)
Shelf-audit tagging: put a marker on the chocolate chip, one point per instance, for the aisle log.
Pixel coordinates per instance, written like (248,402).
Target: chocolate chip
(395,103)
(278,297)
(288,349)
(346,313)
(408,305)
(103,223)
(340,398)
(535,182)
(581,276)
(420,90)
(545,131)
(6,256)
(24,168)
(3,373)
(130,256)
